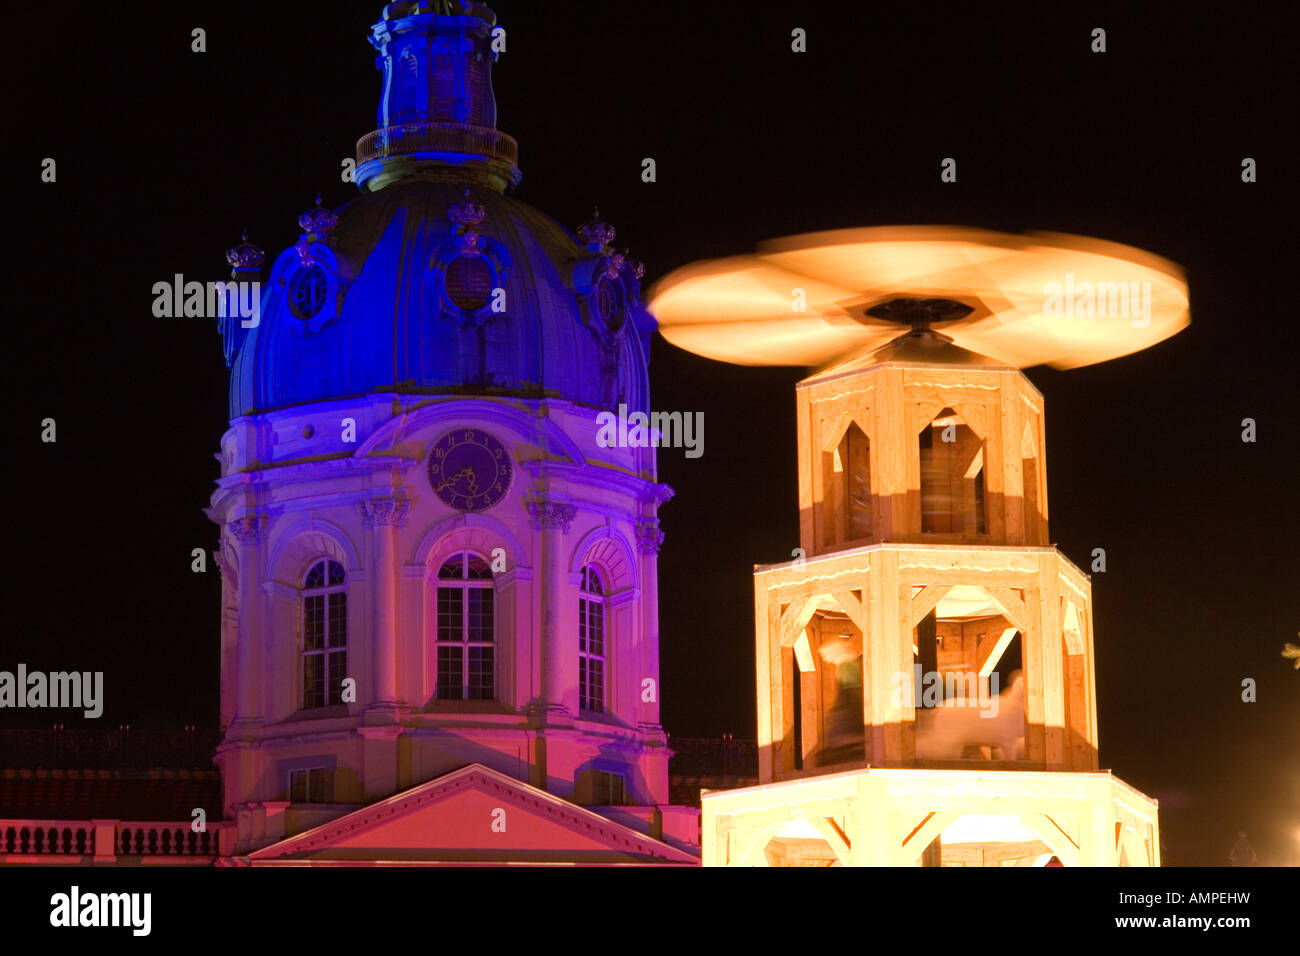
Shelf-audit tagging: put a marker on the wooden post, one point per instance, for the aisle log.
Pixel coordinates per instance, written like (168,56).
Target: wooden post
(1048,643)
(767,628)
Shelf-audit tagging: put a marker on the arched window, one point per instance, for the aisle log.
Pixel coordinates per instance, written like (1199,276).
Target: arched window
(848,488)
(591,642)
(324,634)
(408,82)
(466,629)
(952,477)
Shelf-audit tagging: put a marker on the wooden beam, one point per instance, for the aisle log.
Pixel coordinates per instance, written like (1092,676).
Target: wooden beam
(927,412)
(836,837)
(991,649)
(831,437)
(1050,643)
(927,600)
(1066,850)
(1070,625)
(1139,851)
(1011,603)
(757,840)
(810,491)
(853,608)
(914,843)
(976,418)
(803,653)
(795,619)
(767,621)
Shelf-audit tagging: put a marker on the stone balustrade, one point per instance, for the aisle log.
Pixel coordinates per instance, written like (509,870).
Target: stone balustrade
(110,841)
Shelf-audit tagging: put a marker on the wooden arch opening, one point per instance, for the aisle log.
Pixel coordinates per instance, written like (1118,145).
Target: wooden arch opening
(952,477)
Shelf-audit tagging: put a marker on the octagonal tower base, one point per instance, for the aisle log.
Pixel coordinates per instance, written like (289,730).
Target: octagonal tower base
(929,817)
(925,671)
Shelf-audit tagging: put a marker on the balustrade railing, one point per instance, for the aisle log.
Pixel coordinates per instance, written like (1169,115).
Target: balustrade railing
(46,838)
(437,138)
(107,840)
(165,839)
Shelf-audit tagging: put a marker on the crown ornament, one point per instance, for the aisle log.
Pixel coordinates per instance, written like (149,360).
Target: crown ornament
(614,265)
(466,212)
(595,233)
(245,255)
(318,222)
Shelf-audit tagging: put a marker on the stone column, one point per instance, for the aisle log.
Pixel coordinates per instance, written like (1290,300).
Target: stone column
(384,515)
(552,519)
(654,758)
(249,531)
(229,637)
(649,539)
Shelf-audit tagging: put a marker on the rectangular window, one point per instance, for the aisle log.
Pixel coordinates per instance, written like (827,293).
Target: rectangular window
(480,674)
(594,686)
(309,786)
(478,101)
(408,80)
(596,631)
(480,626)
(443,106)
(313,680)
(450,672)
(313,622)
(591,654)
(338,670)
(324,635)
(609,789)
(338,619)
(450,614)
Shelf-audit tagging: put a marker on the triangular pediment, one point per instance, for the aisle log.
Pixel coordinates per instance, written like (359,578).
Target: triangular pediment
(473,815)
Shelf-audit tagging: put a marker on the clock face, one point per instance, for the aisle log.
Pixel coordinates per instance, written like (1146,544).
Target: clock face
(307,292)
(469,469)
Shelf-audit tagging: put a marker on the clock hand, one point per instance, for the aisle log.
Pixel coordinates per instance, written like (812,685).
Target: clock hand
(465,472)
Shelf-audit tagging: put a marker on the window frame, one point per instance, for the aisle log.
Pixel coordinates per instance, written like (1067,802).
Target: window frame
(332,693)
(608,777)
(592,607)
(306,772)
(464,585)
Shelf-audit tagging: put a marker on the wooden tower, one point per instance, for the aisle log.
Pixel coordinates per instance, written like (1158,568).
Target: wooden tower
(923,522)
(925,671)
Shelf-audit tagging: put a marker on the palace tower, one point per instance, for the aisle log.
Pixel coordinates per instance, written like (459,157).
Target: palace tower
(440,623)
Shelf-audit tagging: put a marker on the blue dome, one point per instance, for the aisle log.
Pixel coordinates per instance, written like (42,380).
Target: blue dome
(433,280)
(408,293)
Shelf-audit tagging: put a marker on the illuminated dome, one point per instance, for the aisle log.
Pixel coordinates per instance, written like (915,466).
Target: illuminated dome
(433,280)
(401,298)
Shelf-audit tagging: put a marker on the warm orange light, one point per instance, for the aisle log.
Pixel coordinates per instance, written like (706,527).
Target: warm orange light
(1039,298)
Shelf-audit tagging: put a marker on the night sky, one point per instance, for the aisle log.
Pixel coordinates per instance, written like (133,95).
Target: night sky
(165,155)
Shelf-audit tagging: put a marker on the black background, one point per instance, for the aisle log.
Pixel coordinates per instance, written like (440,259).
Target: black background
(165,155)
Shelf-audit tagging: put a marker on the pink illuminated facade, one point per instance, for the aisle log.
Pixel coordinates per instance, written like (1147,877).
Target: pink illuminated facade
(439,601)
(439,622)
(351,569)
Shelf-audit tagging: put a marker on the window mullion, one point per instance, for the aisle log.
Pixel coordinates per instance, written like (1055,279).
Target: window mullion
(464,633)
